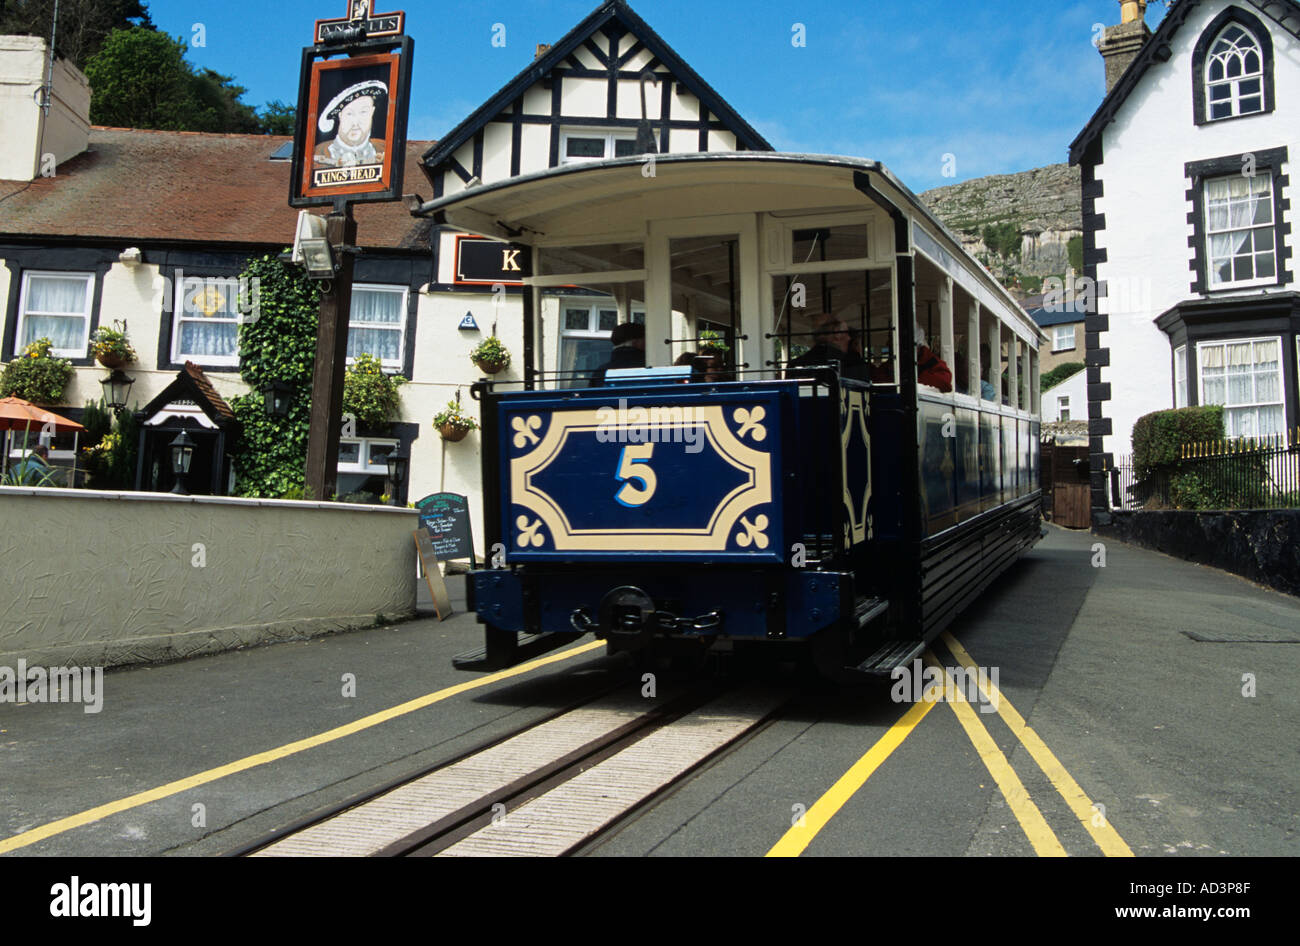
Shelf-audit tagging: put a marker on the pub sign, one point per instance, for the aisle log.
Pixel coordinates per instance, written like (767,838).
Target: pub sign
(352,109)
(484,262)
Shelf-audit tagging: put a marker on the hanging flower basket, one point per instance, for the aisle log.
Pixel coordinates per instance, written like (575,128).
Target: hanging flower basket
(490,367)
(453,433)
(452,424)
(110,346)
(490,355)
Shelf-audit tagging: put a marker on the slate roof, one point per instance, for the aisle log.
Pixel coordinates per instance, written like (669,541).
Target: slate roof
(1157,48)
(134,185)
(1047,319)
(612,11)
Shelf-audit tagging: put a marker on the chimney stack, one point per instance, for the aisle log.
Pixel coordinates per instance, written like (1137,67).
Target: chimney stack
(32,142)
(542,50)
(1121,44)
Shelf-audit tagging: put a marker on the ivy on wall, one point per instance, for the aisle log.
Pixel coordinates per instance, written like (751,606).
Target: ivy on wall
(277,342)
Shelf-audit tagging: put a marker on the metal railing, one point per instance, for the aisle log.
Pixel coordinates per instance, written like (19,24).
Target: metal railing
(1250,473)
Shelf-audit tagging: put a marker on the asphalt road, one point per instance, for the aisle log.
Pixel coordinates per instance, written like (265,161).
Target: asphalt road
(207,755)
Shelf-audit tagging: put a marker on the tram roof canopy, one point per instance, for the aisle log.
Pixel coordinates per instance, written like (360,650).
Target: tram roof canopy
(617,199)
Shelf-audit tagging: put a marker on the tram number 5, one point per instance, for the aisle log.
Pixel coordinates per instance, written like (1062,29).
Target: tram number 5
(634,464)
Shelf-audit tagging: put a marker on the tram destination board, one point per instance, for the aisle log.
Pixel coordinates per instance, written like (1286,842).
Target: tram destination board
(445,516)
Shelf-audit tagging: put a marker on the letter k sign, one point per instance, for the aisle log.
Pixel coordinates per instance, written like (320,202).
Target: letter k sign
(509,261)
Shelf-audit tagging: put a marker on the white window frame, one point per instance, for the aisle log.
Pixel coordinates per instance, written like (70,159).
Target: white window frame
(400,362)
(1180,376)
(85,315)
(1057,338)
(609,135)
(1271,227)
(179,357)
(1062,407)
(1234,82)
(363,464)
(1253,405)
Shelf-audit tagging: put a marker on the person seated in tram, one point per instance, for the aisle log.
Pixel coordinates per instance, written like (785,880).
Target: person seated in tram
(832,345)
(930,368)
(986,390)
(629,350)
(704,367)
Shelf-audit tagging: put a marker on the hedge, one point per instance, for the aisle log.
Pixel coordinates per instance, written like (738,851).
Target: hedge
(1158,438)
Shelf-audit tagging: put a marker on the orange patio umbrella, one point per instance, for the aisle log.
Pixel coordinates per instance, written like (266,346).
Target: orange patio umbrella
(17,414)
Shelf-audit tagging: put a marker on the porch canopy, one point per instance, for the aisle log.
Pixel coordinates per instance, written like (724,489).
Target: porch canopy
(720,239)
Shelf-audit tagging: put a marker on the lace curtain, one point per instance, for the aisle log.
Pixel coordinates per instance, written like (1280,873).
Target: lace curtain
(376,324)
(55,308)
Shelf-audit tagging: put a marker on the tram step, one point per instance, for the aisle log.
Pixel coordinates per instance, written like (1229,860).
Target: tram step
(868,609)
(891,655)
(505,649)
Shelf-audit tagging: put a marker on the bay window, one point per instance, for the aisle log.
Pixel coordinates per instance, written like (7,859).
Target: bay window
(1244,376)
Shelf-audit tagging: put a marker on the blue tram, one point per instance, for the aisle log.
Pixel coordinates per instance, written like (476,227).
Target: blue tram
(808,479)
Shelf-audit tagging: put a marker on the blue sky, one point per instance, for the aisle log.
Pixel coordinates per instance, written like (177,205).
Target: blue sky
(1002,86)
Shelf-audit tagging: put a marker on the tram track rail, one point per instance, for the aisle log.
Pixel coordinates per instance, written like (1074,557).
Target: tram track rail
(548,789)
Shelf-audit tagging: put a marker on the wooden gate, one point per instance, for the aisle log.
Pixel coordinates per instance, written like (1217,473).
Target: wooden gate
(1064,475)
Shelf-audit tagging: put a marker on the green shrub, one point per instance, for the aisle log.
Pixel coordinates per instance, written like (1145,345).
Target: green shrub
(1059,373)
(1158,438)
(370,395)
(36,375)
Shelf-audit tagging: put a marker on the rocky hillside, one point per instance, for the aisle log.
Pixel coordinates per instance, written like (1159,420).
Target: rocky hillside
(1020,225)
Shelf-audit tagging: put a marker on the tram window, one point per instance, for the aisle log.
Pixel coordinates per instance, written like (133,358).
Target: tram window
(1006,351)
(990,355)
(597,258)
(863,301)
(816,244)
(586,324)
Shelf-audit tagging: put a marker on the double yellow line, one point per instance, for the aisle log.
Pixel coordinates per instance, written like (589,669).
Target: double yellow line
(1035,826)
(281,752)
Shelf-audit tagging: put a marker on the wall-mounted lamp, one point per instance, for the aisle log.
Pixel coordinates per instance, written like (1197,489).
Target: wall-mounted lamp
(182,453)
(276,397)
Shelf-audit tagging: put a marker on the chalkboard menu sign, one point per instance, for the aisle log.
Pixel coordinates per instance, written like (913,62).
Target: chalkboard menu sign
(445,516)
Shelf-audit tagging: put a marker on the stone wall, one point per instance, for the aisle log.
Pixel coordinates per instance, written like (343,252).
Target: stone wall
(98,579)
(1262,545)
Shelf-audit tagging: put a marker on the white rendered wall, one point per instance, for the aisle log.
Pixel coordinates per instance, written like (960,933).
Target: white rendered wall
(1075,388)
(1145,207)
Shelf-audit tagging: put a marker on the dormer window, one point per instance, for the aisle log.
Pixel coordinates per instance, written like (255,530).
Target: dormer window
(1234,75)
(1232,68)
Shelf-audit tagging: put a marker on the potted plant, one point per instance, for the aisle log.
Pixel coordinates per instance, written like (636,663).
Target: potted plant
(36,375)
(453,424)
(490,355)
(110,347)
(711,343)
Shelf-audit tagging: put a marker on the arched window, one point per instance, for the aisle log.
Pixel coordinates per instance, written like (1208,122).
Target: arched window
(1234,74)
(1232,68)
